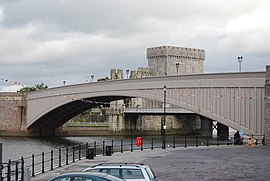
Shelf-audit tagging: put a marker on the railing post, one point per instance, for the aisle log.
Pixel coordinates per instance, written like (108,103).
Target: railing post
(103,147)
(22,169)
(112,146)
(33,165)
(86,148)
(79,151)
(121,146)
(174,142)
(131,145)
(42,162)
(142,145)
(207,142)
(185,141)
(66,155)
(51,159)
(59,157)
(73,153)
(9,170)
(196,141)
(152,143)
(95,149)
(217,140)
(16,171)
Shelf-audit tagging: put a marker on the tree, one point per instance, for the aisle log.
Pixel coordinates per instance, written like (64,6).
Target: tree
(34,88)
(104,78)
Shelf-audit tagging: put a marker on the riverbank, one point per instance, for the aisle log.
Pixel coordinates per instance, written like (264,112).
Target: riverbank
(191,163)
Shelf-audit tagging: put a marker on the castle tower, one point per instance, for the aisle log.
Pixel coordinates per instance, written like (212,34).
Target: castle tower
(163,60)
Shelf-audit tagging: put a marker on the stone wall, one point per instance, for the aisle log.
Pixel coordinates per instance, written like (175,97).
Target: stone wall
(267,106)
(13,113)
(162,60)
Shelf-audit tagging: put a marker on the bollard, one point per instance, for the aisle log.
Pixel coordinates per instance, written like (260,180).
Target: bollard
(185,141)
(51,159)
(9,170)
(17,171)
(121,146)
(152,144)
(103,147)
(59,154)
(79,151)
(22,169)
(142,145)
(174,142)
(112,146)
(1,157)
(196,141)
(95,149)
(73,153)
(66,155)
(42,163)
(33,165)
(131,145)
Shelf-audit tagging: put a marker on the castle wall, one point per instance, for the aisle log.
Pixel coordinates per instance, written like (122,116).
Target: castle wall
(162,60)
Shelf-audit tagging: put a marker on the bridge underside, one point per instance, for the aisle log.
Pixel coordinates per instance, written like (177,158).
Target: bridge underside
(62,114)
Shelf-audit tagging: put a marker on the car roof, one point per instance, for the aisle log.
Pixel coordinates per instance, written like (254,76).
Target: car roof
(123,165)
(85,174)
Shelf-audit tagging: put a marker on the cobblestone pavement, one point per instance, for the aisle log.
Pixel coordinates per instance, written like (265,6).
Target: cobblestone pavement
(192,163)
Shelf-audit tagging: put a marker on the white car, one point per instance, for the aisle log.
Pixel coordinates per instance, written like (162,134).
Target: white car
(126,171)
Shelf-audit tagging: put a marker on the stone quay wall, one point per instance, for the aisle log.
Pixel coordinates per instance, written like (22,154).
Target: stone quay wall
(267,106)
(13,114)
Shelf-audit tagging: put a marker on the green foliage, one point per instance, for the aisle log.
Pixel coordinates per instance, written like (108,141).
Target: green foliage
(34,88)
(103,79)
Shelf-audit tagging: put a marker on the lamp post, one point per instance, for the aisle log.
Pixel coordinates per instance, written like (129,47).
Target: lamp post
(64,82)
(177,66)
(127,72)
(163,122)
(240,59)
(92,77)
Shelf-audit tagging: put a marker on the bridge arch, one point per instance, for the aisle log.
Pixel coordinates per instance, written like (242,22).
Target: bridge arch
(233,99)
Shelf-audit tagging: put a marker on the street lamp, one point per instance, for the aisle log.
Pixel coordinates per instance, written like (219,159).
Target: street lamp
(163,122)
(92,77)
(240,59)
(177,66)
(64,82)
(127,72)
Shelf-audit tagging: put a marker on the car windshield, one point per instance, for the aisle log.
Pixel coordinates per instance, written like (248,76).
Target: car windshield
(150,173)
(132,174)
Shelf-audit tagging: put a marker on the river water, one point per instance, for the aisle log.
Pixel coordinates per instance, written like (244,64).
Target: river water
(16,147)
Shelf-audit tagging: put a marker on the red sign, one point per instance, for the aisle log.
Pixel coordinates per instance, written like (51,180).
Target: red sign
(139,141)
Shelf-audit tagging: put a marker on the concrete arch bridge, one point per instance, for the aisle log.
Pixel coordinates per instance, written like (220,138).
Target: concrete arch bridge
(236,100)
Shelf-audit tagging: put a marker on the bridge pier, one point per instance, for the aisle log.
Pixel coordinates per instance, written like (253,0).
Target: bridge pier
(222,131)
(206,126)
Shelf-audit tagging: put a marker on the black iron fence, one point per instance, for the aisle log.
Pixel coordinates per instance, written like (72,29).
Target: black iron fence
(41,163)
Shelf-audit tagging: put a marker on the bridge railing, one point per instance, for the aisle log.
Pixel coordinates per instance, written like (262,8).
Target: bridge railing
(40,163)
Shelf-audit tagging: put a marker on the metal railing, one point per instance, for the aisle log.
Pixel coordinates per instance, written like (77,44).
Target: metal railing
(46,161)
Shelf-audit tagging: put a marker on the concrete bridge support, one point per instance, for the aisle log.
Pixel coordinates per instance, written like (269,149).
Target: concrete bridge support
(222,131)
(206,127)
(267,106)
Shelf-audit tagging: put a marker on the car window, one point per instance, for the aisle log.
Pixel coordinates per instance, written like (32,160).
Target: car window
(82,179)
(67,178)
(112,171)
(132,174)
(150,173)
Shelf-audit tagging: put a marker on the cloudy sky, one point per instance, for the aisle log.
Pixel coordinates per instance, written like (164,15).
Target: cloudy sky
(55,40)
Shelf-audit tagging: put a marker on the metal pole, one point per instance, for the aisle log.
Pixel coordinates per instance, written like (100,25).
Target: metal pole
(1,158)
(163,122)
(240,59)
